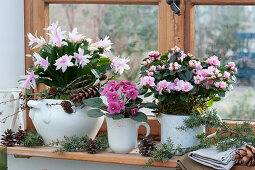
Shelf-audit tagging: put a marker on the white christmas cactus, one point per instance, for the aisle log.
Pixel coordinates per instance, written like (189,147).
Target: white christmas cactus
(182,83)
(67,58)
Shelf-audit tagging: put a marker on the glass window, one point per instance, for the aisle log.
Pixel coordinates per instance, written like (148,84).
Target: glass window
(229,33)
(133,28)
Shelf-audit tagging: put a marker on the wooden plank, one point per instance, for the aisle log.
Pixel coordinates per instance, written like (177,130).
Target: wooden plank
(107,157)
(123,2)
(36,14)
(222,2)
(189,26)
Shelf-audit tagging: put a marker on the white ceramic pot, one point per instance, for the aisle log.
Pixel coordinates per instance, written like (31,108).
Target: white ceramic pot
(185,138)
(18,120)
(53,123)
(123,133)
(170,123)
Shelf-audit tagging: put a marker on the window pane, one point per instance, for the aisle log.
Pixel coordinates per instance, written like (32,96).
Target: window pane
(133,28)
(229,33)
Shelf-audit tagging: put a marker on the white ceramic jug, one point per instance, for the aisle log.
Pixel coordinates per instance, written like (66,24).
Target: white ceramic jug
(123,133)
(18,120)
(53,123)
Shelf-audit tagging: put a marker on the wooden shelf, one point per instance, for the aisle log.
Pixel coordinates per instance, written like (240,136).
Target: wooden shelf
(133,158)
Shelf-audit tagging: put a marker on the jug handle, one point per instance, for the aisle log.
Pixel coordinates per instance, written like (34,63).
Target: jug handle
(147,126)
(212,135)
(15,95)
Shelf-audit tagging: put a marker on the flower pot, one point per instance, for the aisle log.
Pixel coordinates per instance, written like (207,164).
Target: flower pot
(170,123)
(11,108)
(53,123)
(123,133)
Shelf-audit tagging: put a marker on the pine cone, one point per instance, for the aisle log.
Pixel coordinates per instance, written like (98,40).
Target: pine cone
(146,145)
(245,156)
(8,138)
(91,146)
(67,106)
(20,136)
(85,93)
(103,77)
(53,91)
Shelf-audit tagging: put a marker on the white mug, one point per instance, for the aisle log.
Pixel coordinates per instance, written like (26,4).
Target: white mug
(18,119)
(123,133)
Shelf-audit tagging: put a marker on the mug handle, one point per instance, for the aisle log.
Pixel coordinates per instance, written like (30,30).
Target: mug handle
(212,135)
(148,129)
(16,103)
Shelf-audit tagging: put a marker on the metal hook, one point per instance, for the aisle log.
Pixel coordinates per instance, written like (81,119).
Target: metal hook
(175,6)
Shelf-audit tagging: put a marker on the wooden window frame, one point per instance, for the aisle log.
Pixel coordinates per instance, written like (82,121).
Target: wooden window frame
(172,30)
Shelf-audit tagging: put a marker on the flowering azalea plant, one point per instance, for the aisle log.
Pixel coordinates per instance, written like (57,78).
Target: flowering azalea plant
(122,102)
(66,58)
(182,83)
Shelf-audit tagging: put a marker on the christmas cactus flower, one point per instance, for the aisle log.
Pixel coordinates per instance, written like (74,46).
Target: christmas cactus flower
(122,102)
(70,61)
(182,83)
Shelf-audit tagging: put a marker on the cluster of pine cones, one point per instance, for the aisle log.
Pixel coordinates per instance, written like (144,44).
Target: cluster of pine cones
(84,93)
(10,138)
(245,156)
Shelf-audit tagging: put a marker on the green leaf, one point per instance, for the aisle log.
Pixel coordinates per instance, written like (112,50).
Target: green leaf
(166,74)
(173,58)
(148,94)
(138,100)
(115,116)
(210,103)
(182,76)
(216,99)
(95,113)
(188,75)
(143,90)
(93,102)
(149,105)
(96,73)
(161,97)
(221,94)
(140,117)
(184,96)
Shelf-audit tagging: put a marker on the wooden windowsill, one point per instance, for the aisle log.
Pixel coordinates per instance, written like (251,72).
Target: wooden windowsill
(133,158)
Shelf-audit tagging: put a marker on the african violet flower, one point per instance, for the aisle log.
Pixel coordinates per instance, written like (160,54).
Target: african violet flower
(181,82)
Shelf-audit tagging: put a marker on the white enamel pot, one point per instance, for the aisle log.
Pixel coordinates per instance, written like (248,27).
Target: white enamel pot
(53,123)
(16,120)
(185,138)
(123,133)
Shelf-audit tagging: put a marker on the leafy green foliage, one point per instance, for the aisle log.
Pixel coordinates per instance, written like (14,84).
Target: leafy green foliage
(140,117)
(163,152)
(32,139)
(93,102)
(3,158)
(71,144)
(95,113)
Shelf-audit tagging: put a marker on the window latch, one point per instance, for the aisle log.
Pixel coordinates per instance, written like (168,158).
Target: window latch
(174,4)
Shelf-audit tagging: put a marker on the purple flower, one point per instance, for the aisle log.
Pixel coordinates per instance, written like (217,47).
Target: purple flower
(132,93)
(122,105)
(112,96)
(113,107)
(134,111)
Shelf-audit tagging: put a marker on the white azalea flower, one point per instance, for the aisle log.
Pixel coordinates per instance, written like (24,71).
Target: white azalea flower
(120,64)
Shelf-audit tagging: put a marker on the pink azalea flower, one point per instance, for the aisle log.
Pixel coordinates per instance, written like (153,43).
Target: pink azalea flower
(149,73)
(34,39)
(146,63)
(134,111)
(41,62)
(171,67)
(161,67)
(198,79)
(187,87)
(74,36)
(154,53)
(226,74)
(81,59)
(148,81)
(161,86)
(214,61)
(183,56)
(122,105)
(30,80)
(153,68)
(221,85)
(177,66)
(120,64)
(112,96)
(170,87)
(64,62)
(231,66)
(113,107)
(179,85)
(132,93)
